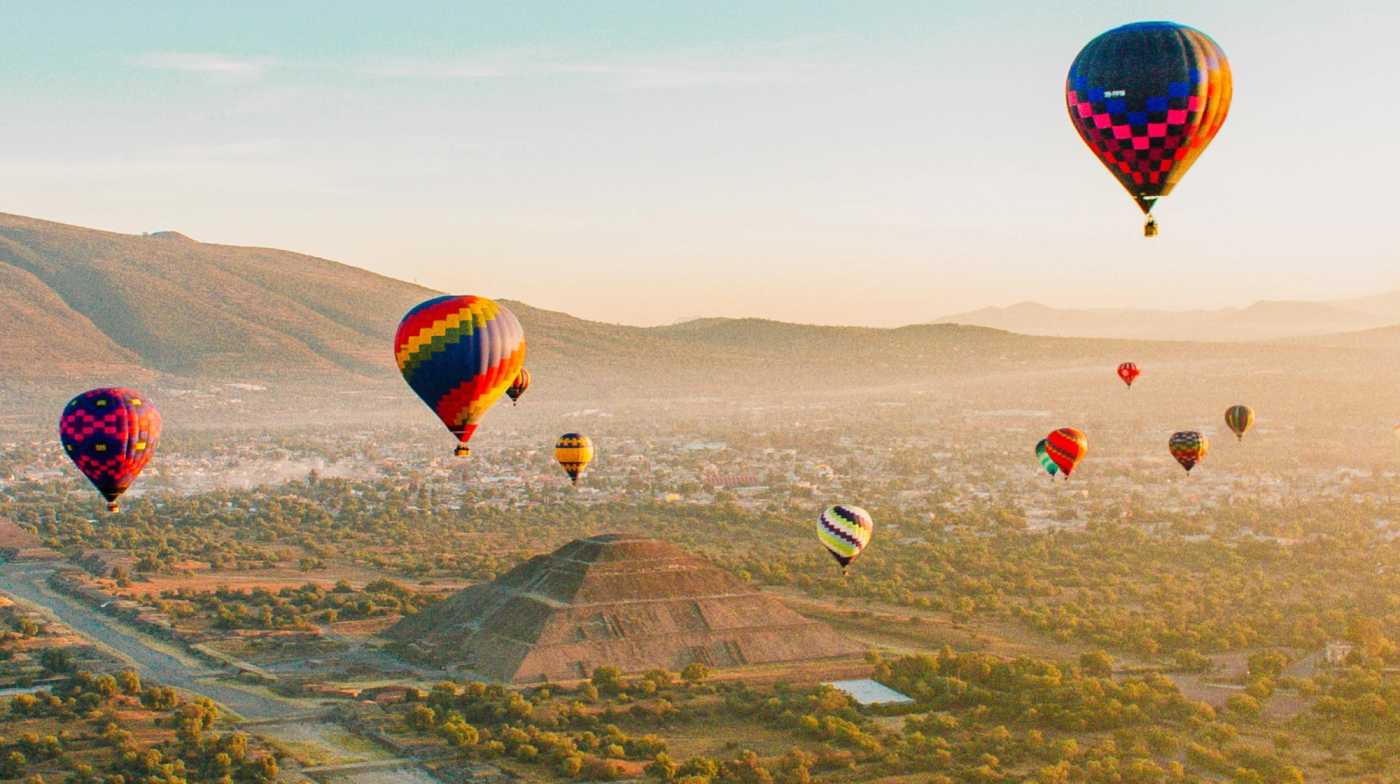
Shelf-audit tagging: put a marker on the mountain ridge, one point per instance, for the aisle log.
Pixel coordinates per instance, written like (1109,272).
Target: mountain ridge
(1260,320)
(93,307)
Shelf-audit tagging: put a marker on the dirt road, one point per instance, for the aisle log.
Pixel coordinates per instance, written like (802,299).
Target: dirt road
(154,659)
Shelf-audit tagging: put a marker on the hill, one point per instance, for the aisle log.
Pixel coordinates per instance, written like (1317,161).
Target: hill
(1265,320)
(91,306)
(81,298)
(1379,339)
(84,307)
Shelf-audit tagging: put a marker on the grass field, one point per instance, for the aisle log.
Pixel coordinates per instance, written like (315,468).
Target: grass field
(314,743)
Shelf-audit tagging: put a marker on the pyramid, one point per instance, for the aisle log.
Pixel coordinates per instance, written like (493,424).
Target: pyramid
(614,600)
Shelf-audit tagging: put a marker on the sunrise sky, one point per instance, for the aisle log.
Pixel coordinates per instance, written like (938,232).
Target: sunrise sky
(640,162)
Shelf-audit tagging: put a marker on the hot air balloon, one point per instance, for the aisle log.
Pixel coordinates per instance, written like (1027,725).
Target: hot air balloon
(574,452)
(1066,447)
(1129,372)
(111,434)
(460,354)
(845,531)
(518,386)
(1147,98)
(1189,448)
(1045,461)
(1239,418)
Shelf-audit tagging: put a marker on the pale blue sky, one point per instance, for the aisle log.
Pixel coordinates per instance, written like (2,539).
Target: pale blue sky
(835,162)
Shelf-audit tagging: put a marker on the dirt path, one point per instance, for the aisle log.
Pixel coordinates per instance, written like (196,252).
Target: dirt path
(154,659)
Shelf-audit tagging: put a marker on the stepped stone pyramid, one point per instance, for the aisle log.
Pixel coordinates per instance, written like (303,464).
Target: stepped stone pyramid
(613,600)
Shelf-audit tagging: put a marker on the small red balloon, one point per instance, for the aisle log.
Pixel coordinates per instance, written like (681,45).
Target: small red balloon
(1128,371)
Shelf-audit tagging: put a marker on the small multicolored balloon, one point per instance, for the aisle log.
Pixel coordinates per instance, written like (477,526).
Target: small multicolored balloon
(845,532)
(460,354)
(518,386)
(1239,418)
(1043,455)
(1128,371)
(1189,448)
(111,434)
(574,451)
(1067,447)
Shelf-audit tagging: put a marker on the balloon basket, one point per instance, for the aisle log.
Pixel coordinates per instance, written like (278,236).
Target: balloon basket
(112,506)
(462,451)
(1149,229)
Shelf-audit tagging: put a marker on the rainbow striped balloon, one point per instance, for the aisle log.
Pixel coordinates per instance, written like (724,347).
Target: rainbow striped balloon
(1189,448)
(845,531)
(460,354)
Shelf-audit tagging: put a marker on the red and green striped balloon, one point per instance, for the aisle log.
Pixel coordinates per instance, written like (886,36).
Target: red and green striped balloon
(1067,447)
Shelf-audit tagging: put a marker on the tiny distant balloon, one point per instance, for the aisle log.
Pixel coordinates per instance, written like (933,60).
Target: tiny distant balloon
(1189,448)
(1067,447)
(1147,98)
(845,532)
(518,386)
(460,354)
(111,434)
(1129,372)
(574,452)
(1239,418)
(1042,453)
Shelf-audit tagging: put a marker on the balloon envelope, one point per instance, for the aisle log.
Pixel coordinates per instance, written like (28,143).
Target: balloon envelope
(1147,98)
(845,532)
(110,433)
(1129,372)
(1189,448)
(1066,447)
(460,354)
(519,385)
(1239,418)
(1043,455)
(574,451)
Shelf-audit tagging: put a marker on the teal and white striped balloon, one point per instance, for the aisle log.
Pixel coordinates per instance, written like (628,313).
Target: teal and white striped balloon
(1043,454)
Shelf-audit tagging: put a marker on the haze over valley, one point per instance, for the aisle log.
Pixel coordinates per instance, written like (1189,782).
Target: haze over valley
(699,393)
(304,502)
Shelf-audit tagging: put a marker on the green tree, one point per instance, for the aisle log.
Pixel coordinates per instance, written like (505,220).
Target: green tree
(1096,663)
(695,673)
(607,680)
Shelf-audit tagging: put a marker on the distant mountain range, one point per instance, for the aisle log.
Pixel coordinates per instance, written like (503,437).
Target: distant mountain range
(1265,320)
(84,306)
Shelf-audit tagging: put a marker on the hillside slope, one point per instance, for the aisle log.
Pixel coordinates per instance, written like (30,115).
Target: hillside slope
(43,333)
(191,309)
(84,307)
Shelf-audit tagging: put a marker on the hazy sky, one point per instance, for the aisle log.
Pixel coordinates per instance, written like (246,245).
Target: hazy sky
(642,162)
